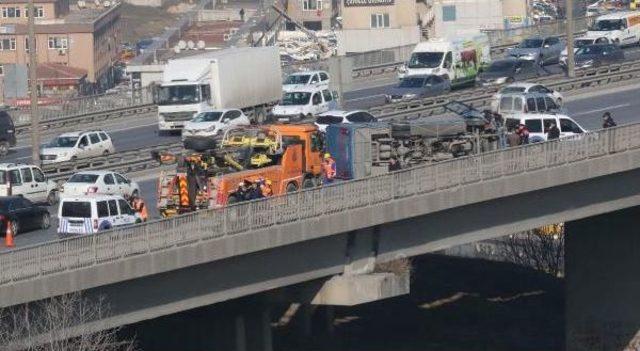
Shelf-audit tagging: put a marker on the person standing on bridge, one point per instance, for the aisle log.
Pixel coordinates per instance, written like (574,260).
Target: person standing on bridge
(607,120)
(328,169)
(242,14)
(553,133)
(523,132)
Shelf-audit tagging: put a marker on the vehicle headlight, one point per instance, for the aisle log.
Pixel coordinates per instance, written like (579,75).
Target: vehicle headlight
(409,96)
(531,55)
(587,63)
(211,129)
(501,80)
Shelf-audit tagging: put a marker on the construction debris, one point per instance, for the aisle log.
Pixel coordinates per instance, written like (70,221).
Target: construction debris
(299,47)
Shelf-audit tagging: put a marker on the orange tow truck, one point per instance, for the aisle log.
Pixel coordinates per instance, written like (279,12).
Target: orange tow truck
(289,156)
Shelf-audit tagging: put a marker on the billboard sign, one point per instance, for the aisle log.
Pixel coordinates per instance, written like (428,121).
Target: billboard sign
(364,3)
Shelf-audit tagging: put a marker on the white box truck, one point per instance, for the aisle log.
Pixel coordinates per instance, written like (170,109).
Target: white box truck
(245,78)
(457,59)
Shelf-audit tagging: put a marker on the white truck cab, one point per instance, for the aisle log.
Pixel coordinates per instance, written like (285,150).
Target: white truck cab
(302,103)
(539,124)
(303,79)
(622,28)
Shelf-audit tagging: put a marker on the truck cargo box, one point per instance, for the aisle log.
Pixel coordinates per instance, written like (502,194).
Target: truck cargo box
(430,127)
(350,146)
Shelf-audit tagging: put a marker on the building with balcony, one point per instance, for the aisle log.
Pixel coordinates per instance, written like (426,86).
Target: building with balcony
(72,40)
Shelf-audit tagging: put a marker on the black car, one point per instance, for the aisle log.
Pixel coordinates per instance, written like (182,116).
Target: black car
(7,133)
(23,214)
(597,55)
(507,71)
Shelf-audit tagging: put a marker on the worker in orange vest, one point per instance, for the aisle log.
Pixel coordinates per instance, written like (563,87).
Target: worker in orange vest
(328,169)
(140,207)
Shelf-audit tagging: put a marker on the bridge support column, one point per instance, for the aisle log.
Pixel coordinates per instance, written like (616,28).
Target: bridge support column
(602,264)
(360,283)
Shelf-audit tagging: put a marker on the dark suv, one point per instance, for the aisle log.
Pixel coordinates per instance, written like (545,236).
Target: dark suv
(7,133)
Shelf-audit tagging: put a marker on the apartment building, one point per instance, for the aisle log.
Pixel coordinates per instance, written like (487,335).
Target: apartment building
(312,14)
(79,37)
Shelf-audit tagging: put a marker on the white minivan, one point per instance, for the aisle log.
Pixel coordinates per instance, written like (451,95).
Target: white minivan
(92,214)
(302,103)
(539,124)
(28,181)
(297,80)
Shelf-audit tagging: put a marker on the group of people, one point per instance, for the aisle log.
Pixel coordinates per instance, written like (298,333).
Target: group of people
(248,190)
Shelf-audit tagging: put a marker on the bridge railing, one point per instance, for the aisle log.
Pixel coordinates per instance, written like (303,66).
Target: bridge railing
(75,253)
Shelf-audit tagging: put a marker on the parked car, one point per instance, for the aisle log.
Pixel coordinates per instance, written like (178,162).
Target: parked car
(418,86)
(7,133)
(337,117)
(99,182)
(539,124)
(303,79)
(507,71)
(198,133)
(23,215)
(28,181)
(541,50)
(581,42)
(518,103)
(303,103)
(597,55)
(525,88)
(77,145)
(92,214)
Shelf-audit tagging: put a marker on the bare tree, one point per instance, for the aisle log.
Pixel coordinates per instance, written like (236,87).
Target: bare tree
(541,249)
(57,324)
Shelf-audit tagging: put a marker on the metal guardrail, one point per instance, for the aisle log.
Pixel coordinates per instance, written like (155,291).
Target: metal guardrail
(123,162)
(82,252)
(135,160)
(481,97)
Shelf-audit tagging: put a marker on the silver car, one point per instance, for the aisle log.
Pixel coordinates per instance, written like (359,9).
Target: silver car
(541,50)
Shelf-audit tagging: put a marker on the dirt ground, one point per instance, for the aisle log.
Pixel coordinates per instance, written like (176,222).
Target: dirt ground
(144,22)
(455,305)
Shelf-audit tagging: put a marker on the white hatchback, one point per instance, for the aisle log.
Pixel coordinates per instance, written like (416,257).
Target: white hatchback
(92,214)
(99,182)
(336,117)
(198,133)
(77,145)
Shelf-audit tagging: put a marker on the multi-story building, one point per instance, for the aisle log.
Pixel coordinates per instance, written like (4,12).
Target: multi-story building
(368,25)
(312,14)
(83,38)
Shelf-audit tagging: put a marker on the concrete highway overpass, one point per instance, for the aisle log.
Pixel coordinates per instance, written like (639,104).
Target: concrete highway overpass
(200,259)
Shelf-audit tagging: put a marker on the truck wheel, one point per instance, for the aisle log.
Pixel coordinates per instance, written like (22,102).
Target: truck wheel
(308,183)
(4,148)
(292,187)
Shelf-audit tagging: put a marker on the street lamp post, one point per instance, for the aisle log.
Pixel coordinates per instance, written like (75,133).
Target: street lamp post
(569,27)
(33,85)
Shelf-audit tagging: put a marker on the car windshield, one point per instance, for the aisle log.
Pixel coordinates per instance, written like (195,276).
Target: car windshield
(531,44)
(81,209)
(590,50)
(329,120)
(507,90)
(501,66)
(295,98)
(178,95)
(83,178)
(578,43)
(297,79)
(412,82)
(63,141)
(607,25)
(425,60)
(207,117)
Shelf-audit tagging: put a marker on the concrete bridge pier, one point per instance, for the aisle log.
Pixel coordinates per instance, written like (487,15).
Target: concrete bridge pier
(253,330)
(602,264)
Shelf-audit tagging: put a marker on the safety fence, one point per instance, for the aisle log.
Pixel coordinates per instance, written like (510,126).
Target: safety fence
(86,251)
(140,159)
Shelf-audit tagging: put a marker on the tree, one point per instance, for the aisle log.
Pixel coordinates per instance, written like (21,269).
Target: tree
(57,324)
(541,249)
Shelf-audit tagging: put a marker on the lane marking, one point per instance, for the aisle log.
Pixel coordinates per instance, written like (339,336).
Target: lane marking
(599,110)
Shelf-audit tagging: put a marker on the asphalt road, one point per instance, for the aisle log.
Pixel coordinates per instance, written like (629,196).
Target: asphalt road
(587,110)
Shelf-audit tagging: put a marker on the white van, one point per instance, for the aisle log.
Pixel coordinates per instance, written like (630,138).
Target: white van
(622,28)
(297,80)
(92,214)
(539,124)
(27,181)
(305,102)
(457,59)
